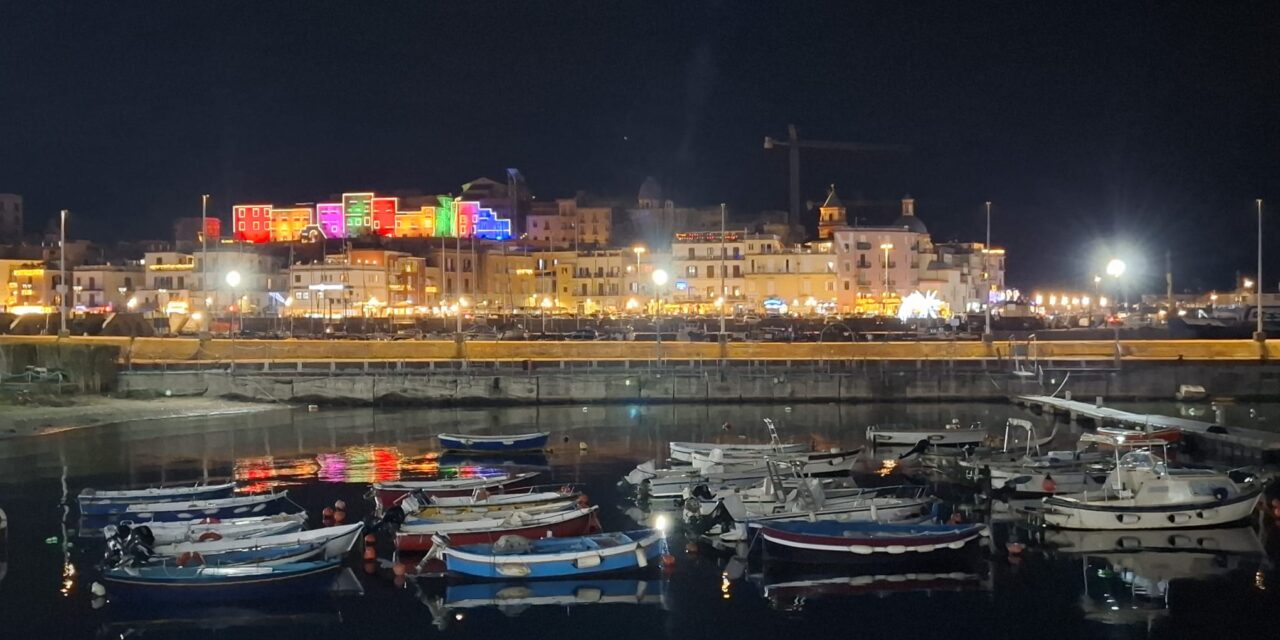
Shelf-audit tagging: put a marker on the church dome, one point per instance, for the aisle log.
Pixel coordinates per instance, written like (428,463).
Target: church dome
(908,219)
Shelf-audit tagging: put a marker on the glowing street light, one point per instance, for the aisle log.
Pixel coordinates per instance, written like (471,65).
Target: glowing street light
(233,279)
(659,278)
(1115,268)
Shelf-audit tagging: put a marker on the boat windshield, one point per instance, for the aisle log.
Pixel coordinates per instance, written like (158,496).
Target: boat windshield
(1141,460)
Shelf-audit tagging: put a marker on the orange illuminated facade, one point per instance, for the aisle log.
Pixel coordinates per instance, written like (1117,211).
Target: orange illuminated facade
(416,224)
(287,224)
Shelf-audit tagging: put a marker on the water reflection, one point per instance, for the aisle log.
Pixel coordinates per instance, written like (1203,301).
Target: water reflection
(1064,585)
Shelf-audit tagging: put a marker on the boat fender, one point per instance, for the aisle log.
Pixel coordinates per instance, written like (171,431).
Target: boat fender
(584,501)
(1049,486)
(209,536)
(642,560)
(97,589)
(861,549)
(190,558)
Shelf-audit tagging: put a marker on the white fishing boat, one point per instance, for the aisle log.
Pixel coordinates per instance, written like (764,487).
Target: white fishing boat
(1143,492)
(214,529)
(685,451)
(337,541)
(950,435)
(725,476)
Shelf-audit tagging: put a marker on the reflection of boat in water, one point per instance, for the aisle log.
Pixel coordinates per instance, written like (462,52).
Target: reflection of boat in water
(1129,576)
(531,460)
(4,545)
(513,598)
(789,587)
(181,621)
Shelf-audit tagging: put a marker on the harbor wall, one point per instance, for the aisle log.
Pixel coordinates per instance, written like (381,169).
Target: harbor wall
(862,381)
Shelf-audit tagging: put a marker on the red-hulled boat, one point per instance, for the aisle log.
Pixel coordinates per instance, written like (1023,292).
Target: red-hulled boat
(555,524)
(390,493)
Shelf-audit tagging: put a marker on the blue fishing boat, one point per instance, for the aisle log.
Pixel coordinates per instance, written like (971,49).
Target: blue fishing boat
(265,556)
(494,444)
(225,508)
(94,502)
(517,557)
(155,584)
(868,538)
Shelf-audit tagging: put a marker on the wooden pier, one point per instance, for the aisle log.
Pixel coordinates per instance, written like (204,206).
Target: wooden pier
(1227,442)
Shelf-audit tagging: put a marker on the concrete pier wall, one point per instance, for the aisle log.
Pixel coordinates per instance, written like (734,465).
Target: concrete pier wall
(903,381)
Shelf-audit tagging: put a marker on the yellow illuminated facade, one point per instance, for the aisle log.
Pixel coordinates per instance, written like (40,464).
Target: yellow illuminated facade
(287,224)
(416,224)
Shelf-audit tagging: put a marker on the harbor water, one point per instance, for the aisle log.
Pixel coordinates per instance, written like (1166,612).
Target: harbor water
(1082,585)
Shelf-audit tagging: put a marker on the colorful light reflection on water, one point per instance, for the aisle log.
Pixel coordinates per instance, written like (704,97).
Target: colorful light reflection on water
(357,464)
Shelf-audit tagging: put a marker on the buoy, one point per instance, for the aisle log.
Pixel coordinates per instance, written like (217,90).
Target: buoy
(582,446)
(184,559)
(1276,513)
(327,512)
(340,505)
(208,536)
(583,501)
(370,539)
(370,567)
(97,589)
(1049,486)
(339,516)
(370,553)
(668,560)
(399,569)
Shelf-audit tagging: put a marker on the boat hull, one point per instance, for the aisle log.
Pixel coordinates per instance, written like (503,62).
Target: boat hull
(169,584)
(878,541)
(935,437)
(641,553)
(523,442)
(683,451)
(177,532)
(390,494)
(580,525)
(180,512)
(106,505)
(1067,513)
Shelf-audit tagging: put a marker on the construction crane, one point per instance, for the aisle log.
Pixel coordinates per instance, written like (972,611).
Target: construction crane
(793,143)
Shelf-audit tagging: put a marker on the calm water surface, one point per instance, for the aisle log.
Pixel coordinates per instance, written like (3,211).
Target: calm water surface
(334,454)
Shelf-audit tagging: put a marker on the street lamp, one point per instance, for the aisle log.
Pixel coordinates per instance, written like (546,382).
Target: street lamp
(288,302)
(62,280)
(233,280)
(1258,334)
(884,295)
(1115,268)
(986,271)
(659,279)
(462,304)
(546,305)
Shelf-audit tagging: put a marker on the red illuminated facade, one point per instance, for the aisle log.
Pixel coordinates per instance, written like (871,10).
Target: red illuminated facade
(384,215)
(252,222)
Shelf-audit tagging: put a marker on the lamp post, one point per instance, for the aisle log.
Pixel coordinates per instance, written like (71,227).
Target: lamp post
(204,246)
(1258,334)
(233,281)
(986,271)
(62,279)
(724,295)
(884,295)
(545,305)
(659,279)
(288,302)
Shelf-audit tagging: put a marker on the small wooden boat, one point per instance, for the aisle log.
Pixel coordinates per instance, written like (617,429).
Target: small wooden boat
(156,584)
(869,538)
(417,536)
(215,529)
(388,494)
(256,505)
(483,502)
(335,542)
(516,557)
(494,444)
(951,435)
(683,451)
(95,502)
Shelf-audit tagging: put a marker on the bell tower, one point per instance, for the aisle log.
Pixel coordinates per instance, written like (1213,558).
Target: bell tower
(831,214)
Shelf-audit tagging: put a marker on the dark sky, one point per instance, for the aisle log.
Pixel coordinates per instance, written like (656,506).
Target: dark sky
(1142,126)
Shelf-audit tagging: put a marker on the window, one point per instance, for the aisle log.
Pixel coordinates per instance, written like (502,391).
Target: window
(240,226)
(846,285)
(691,255)
(711,271)
(737,271)
(297,278)
(737,252)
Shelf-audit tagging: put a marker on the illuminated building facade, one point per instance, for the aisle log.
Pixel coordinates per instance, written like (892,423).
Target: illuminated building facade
(252,222)
(287,224)
(365,213)
(331,219)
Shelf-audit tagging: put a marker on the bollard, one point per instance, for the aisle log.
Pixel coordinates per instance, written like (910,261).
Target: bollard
(1097,401)
(1067,396)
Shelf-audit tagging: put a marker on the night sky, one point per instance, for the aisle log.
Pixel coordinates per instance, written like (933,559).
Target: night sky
(1144,126)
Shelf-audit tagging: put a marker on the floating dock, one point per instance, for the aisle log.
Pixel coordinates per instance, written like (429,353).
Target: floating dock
(1236,444)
